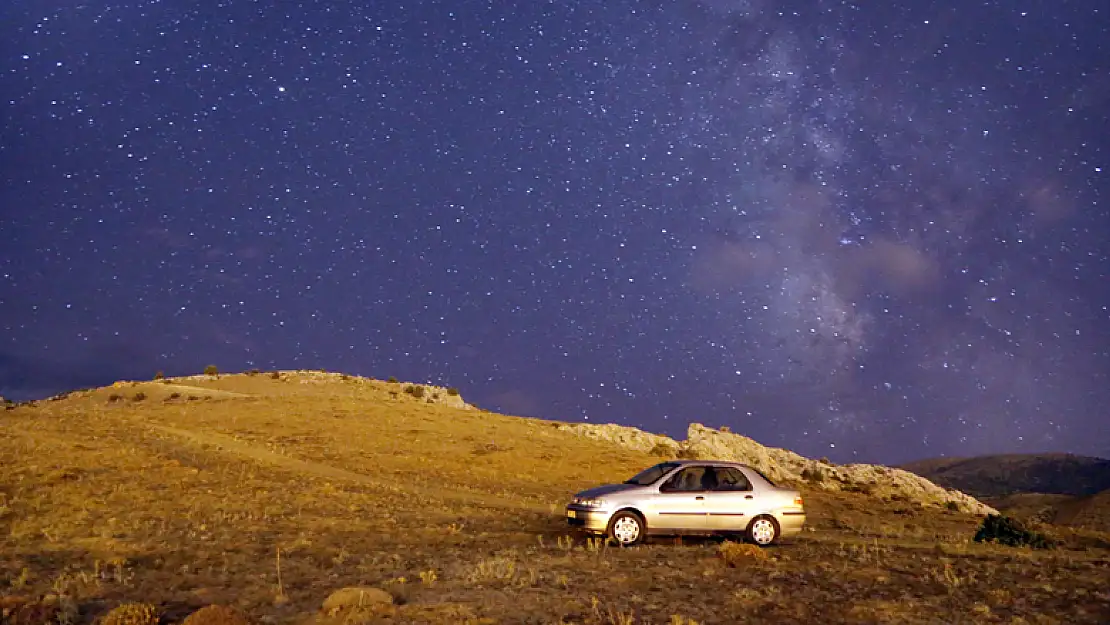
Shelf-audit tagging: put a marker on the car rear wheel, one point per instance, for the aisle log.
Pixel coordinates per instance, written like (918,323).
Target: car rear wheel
(763,530)
(626,528)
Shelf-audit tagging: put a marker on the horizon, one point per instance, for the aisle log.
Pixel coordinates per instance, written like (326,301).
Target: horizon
(677,432)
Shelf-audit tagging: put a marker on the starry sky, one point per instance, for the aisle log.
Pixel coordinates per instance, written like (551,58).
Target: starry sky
(863,230)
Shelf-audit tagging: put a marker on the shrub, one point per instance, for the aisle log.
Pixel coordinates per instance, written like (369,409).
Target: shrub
(140,396)
(159,376)
(726,429)
(175,395)
(211,370)
(813,475)
(1009,531)
(216,615)
(275,375)
(392,380)
(253,372)
(417,391)
(952,506)
(115,397)
(663,450)
(735,554)
(132,614)
(452,391)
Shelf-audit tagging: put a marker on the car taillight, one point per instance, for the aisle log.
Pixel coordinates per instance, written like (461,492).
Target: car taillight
(798,501)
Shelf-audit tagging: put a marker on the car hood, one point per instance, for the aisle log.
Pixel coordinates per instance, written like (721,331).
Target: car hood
(607,489)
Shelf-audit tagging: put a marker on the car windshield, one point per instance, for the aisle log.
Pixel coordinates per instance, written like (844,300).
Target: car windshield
(651,475)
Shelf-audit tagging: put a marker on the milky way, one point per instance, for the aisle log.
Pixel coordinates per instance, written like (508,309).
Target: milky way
(863,232)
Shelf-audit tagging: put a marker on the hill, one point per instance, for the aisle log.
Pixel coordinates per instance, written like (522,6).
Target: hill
(268,493)
(1001,475)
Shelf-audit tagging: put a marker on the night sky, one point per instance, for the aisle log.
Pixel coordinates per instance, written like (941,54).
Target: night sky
(864,230)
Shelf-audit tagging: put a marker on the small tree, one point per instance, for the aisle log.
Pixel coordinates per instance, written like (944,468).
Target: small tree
(1009,531)
(452,391)
(159,376)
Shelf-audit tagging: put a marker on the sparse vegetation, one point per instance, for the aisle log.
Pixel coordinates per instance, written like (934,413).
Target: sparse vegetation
(159,376)
(276,498)
(1009,531)
(392,380)
(212,370)
(415,390)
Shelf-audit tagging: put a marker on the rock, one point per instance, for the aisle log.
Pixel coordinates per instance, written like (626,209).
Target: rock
(782,465)
(625,436)
(355,597)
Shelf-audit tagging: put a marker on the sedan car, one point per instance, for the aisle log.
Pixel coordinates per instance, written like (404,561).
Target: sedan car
(685,497)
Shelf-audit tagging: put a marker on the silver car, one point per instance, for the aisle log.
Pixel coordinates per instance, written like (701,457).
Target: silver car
(690,497)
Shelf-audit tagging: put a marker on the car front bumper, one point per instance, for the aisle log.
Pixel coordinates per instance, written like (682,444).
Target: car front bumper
(589,519)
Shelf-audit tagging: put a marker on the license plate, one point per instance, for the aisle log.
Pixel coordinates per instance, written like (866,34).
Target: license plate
(571,514)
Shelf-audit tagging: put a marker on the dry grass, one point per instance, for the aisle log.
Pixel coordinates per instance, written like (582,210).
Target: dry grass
(265,495)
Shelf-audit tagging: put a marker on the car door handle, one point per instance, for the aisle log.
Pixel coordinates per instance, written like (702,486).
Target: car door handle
(748,497)
(699,498)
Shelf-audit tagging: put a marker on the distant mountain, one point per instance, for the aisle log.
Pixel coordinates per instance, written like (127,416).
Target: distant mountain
(1001,475)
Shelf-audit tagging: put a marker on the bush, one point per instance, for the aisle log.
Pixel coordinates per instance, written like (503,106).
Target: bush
(663,450)
(415,390)
(726,429)
(452,391)
(115,397)
(159,376)
(735,554)
(392,380)
(275,375)
(253,372)
(132,614)
(211,370)
(1009,531)
(952,506)
(140,396)
(813,475)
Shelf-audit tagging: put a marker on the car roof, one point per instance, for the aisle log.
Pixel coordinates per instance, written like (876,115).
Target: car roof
(698,463)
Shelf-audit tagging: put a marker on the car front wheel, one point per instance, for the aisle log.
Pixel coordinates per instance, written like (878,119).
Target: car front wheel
(626,528)
(763,531)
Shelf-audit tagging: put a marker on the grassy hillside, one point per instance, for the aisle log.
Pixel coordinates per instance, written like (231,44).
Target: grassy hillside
(994,476)
(269,494)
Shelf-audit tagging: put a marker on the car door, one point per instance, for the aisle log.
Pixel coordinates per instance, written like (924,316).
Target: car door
(731,503)
(680,503)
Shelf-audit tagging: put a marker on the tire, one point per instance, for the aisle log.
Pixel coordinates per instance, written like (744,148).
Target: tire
(627,528)
(763,530)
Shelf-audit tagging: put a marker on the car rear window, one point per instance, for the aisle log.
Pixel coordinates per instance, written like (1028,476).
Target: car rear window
(652,474)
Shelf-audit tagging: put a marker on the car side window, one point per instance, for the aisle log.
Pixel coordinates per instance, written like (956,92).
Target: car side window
(732,479)
(685,481)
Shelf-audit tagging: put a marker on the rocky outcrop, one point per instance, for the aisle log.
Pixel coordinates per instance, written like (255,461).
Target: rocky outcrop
(782,465)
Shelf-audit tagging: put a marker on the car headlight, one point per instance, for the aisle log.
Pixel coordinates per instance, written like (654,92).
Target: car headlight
(589,503)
